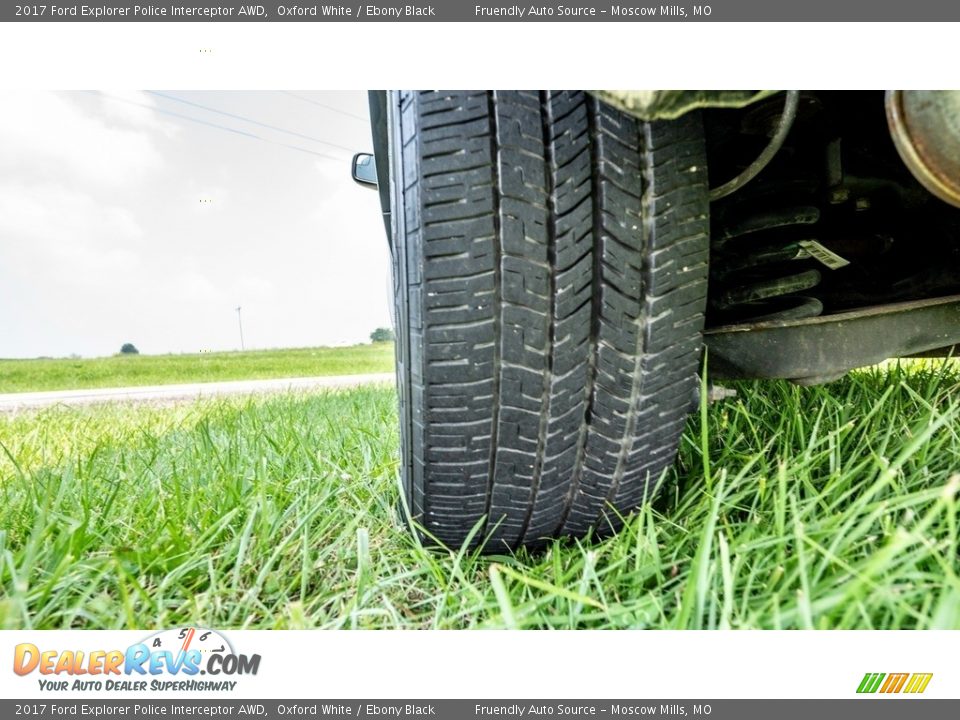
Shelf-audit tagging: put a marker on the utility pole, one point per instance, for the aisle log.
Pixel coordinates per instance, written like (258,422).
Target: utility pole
(240,323)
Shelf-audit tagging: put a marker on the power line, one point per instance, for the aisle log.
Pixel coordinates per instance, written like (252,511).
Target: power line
(216,126)
(324,105)
(242,118)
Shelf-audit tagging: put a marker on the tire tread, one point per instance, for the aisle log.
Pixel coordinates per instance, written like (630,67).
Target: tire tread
(550,269)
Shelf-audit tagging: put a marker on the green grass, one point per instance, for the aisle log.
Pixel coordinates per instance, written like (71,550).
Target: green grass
(829,507)
(129,370)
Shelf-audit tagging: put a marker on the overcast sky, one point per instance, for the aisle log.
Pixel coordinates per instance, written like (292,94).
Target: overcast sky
(148,218)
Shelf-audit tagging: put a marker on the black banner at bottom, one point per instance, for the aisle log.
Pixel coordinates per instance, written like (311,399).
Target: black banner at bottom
(874,707)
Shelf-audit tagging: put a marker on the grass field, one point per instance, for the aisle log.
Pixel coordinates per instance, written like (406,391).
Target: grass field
(829,507)
(129,370)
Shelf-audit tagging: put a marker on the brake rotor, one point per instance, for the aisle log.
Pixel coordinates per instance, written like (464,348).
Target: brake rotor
(925,125)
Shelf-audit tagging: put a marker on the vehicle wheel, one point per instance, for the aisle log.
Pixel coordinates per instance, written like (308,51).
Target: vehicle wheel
(550,273)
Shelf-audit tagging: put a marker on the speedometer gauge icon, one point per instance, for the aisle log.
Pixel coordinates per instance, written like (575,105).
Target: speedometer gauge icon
(181,640)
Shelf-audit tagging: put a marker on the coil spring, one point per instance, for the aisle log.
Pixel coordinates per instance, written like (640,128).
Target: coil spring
(759,270)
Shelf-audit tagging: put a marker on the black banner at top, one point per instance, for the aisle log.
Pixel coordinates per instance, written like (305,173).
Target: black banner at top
(482,11)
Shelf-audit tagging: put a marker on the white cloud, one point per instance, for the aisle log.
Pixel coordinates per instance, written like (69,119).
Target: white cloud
(255,287)
(53,224)
(206,197)
(136,109)
(192,286)
(336,174)
(45,134)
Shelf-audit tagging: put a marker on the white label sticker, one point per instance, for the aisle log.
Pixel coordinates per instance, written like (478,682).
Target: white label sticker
(811,248)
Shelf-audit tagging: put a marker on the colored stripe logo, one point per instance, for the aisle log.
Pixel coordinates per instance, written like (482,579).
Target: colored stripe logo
(913,683)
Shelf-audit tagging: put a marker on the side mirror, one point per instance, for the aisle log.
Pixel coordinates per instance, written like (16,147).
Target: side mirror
(364,170)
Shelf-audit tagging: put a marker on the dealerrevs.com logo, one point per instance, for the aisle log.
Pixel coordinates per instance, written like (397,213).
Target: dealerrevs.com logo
(168,660)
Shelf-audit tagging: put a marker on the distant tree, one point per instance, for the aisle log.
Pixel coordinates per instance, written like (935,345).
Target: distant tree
(129,349)
(382,335)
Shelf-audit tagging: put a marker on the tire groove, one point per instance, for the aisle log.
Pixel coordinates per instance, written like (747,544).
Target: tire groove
(497,295)
(551,228)
(596,307)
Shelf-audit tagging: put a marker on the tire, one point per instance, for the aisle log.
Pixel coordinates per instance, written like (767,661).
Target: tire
(550,273)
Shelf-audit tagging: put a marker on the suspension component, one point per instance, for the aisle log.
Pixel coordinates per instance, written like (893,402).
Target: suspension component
(761,269)
(925,125)
(834,223)
(763,159)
